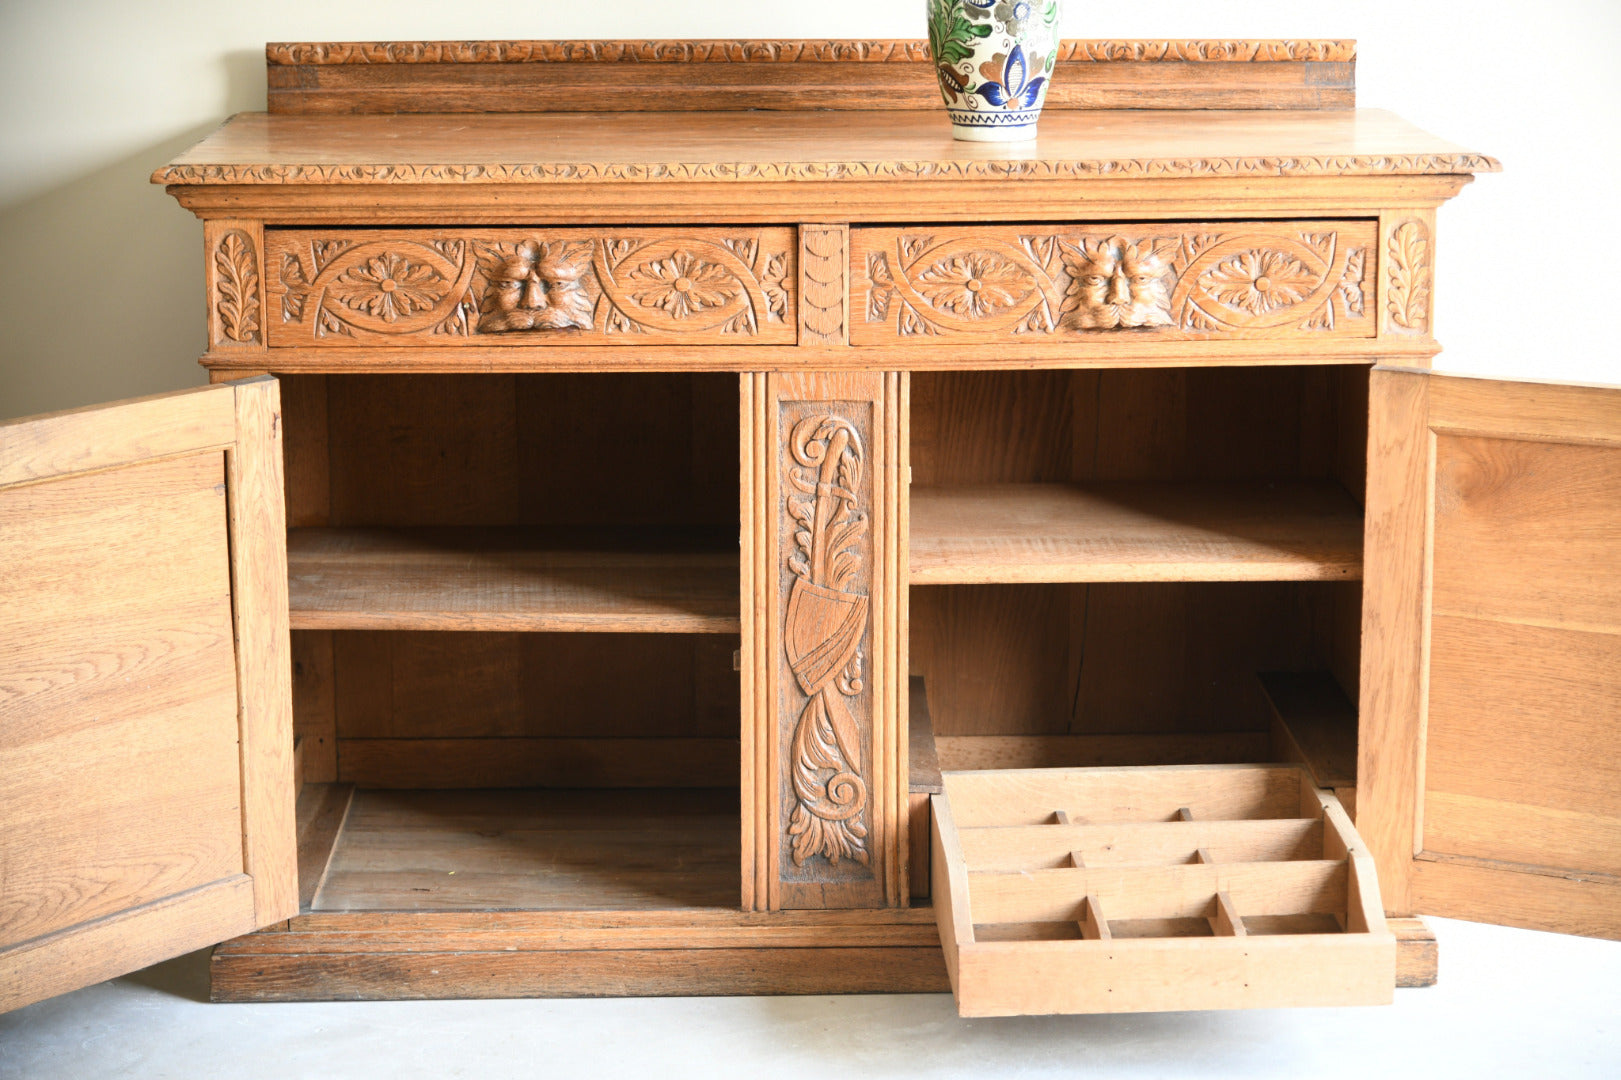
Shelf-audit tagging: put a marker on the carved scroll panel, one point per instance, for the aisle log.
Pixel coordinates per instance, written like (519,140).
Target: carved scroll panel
(830,832)
(1178,281)
(337,287)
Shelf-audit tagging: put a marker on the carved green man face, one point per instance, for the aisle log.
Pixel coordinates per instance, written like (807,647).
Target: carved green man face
(535,287)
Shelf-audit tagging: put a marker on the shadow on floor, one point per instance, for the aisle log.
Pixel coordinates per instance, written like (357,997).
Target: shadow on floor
(183,977)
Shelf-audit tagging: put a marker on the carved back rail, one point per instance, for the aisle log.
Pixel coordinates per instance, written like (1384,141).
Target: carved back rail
(640,76)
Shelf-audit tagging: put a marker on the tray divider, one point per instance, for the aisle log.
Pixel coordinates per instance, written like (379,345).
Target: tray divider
(1094,927)
(1314,886)
(1226,922)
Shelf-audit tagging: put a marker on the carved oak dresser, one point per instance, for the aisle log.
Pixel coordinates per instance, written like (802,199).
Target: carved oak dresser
(671,521)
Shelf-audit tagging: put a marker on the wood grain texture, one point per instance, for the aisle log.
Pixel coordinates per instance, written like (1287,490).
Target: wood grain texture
(1497,799)
(82,440)
(505,579)
(306,462)
(1022,533)
(1390,714)
(501,972)
(1108,795)
(923,760)
(1307,886)
(415,451)
(1417,956)
(605,76)
(565,850)
(922,780)
(758,727)
(263,650)
(408,685)
(1115,659)
(1484,891)
(126,941)
(966,752)
(1314,723)
(258,149)
(1111,660)
(783,51)
(149,751)
(1100,891)
(1103,353)
(119,663)
(315,706)
(547,761)
(447,288)
(1017,848)
(322,811)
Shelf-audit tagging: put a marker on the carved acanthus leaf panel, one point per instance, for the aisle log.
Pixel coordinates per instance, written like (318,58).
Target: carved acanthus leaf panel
(532,287)
(1407,281)
(1262,279)
(235,278)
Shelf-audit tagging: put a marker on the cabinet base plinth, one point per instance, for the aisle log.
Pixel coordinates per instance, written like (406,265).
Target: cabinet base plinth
(399,956)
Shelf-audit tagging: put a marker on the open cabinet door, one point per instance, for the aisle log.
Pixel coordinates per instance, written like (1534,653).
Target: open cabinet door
(1490,743)
(146,779)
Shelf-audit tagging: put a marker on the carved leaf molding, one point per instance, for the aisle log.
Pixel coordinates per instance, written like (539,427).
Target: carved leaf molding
(826,618)
(459,287)
(1408,295)
(586,172)
(236,287)
(1194,283)
(778,51)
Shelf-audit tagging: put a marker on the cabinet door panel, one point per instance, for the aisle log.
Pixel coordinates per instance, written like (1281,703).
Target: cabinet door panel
(1491,733)
(145,752)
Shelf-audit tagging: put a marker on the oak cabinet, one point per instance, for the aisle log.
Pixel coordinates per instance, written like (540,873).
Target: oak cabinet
(661,551)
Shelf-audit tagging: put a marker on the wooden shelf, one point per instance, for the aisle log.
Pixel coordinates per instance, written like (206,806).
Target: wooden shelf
(536,850)
(1135,531)
(508,579)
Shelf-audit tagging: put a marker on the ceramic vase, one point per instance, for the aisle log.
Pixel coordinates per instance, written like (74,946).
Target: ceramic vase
(994,59)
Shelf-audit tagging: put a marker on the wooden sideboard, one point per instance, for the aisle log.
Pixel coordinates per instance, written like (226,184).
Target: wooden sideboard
(671,521)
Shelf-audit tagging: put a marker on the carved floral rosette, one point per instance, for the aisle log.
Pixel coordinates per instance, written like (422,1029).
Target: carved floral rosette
(530,288)
(1199,281)
(825,626)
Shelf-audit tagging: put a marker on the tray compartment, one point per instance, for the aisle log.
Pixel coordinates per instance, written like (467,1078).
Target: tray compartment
(1154,889)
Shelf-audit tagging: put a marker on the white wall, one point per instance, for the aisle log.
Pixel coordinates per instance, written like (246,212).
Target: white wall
(101,273)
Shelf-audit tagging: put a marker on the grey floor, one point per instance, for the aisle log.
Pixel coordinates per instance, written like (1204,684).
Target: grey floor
(1510,1003)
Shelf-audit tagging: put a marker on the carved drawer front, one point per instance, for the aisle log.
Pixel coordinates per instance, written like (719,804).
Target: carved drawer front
(519,286)
(1172,281)
(1154,889)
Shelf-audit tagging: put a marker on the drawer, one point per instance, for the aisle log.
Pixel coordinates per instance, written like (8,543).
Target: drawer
(440,288)
(1154,889)
(1004,283)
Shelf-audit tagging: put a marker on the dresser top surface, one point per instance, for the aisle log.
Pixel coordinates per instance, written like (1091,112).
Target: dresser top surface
(651,147)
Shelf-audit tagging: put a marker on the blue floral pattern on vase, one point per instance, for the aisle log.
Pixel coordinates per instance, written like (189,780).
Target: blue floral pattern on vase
(994,60)
(1016,89)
